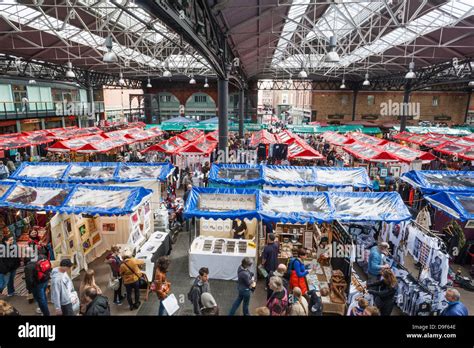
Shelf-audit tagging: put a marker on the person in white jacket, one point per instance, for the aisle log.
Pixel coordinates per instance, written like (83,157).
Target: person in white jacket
(63,295)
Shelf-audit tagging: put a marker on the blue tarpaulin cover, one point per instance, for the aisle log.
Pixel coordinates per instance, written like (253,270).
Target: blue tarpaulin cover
(236,174)
(90,172)
(296,207)
(71,199)
(430,181)
(222,203)
(299,176)
(458,205)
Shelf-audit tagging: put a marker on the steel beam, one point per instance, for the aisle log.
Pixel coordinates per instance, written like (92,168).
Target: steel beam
(222,108)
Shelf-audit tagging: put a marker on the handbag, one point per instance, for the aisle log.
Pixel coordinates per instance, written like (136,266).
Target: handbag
(75,302)
(114,283)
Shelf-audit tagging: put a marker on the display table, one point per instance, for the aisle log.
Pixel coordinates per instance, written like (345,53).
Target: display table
(222,265)
(159,244)
(319,277)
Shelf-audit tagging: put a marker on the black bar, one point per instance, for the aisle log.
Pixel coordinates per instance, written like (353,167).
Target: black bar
(354,104)
(468,105)
(406,99)
(241,113)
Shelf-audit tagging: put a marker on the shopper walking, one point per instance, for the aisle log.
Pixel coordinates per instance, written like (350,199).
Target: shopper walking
(87,282)
(209,305)
(455,307)
(385,292)
(114,260)
(8,266)
(63,295)
(131,273)
(96,304)
(199,287)
(270,254)
(245,285)
(37,276)
(298,272)
(278,302)
(299,306)
(161,283)
(4,172)
(377,261)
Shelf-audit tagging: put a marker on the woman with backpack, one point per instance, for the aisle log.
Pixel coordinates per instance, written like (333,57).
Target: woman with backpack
(130,272)
(37,275)
(277,304)
(298,272)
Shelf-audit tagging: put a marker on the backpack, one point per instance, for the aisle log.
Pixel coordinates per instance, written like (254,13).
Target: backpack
(43,270)
(278,306)
(190,293)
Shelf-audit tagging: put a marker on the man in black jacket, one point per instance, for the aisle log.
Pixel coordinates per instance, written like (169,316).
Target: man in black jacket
(8,265)
(98,304)
(200,286)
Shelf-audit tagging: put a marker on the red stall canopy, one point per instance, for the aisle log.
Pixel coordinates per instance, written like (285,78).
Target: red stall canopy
(301,150)
(191,134)
(405,154)
(336,138)
(74,144)
(367,139)
(201,146)
(460,151)
(368,153)
(262,137)
(169,146)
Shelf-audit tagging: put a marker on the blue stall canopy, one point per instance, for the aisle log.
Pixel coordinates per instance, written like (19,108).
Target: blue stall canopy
(459,205)
(236,174)
(430,181)
(296,207)
(301,207)
(289,176)
(369,206)
(71,199)
(285,176)
(221,203)
(91,172)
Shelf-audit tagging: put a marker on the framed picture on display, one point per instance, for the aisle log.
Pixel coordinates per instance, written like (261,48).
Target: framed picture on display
(395,171)
(383,172)
(82,230)
(67,227)
(373,172)
(86,246)
(91,225)
(109,228)
(135,218)
(96,239)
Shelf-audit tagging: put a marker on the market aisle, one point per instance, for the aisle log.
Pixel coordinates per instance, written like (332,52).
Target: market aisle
(224,291)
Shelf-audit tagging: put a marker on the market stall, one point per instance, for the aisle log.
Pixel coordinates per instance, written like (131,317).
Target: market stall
(217,212)
(81,221)
(235,175)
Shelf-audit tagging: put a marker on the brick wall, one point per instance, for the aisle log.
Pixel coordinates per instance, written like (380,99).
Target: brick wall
(327,103)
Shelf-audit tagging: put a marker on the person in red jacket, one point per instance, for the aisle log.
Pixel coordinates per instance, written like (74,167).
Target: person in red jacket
(298,272)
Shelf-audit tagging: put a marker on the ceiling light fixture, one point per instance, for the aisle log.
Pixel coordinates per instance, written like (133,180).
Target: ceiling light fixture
(69,73)
(109,56)
(121,80)
(366,81)
(332,56)
(411,74)
(343,84)
(192,81)
(167,73)
(32,82)
(148,85)
(206,84)
(302,74)
(471,84)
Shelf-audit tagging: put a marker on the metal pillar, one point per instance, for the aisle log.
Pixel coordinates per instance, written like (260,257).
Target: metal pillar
(354,104)
(63,122)
(241,113)
(406,100)
(223,103)
(18,126)
(43,124)
(469,96)
(93,116)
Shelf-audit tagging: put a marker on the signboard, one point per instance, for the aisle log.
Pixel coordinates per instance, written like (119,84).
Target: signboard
(335,117)
(370,117)
(442,118)
(31,120)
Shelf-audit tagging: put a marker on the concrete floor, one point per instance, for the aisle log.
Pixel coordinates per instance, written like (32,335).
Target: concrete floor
(223,291)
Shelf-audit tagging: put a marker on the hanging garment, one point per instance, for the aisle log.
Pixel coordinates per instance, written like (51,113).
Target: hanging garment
(411,197)
(424,219)
(439,267)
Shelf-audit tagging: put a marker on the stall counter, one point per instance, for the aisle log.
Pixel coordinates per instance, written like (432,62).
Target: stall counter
(221,265)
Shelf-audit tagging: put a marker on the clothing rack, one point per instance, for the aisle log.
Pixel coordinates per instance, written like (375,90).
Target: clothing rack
(400,266)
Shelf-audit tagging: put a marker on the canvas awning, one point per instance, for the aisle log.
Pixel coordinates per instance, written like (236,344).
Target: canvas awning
(434,181)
